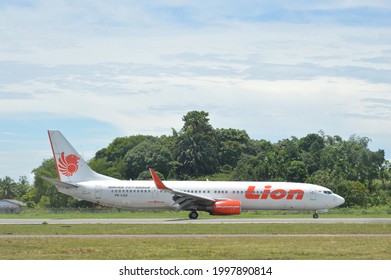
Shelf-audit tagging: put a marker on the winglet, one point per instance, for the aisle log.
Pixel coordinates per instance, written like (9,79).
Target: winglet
(159,184)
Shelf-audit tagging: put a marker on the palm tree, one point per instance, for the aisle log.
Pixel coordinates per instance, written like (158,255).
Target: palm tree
(196,149)
(8,188)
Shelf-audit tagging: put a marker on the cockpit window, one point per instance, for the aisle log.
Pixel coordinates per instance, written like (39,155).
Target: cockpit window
(327,192)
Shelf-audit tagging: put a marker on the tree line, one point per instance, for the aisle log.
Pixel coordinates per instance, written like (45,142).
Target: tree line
(199,151)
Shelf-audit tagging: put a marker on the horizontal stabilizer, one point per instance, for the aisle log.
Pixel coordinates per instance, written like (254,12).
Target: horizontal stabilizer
(58,183)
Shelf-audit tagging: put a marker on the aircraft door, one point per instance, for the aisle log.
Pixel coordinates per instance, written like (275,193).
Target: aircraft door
(98,192)
(154,192)
(313,194)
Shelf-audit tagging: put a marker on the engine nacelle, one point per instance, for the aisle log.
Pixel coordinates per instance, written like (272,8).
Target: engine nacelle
(226,207)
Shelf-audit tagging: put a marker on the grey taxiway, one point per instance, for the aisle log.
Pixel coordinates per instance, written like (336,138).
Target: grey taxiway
(198,221)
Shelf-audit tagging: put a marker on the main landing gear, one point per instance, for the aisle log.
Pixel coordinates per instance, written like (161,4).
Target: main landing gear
(315,216)
(193,215)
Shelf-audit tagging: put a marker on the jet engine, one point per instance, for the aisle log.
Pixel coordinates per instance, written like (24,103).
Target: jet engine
(226,207)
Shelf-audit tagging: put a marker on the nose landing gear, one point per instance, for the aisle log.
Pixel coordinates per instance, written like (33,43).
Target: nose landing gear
(315,216)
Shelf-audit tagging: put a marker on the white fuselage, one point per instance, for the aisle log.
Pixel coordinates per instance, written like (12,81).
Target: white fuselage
(252,195)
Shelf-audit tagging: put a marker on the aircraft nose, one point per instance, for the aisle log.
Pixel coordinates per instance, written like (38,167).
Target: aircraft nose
(339,200)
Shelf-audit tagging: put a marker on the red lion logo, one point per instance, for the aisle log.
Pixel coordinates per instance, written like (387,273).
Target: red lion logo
(68,165)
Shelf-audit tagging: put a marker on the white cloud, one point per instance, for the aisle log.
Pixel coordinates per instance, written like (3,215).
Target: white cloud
(138,103)
(140,66)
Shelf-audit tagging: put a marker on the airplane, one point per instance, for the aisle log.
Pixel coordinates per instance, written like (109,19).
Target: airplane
(78,180)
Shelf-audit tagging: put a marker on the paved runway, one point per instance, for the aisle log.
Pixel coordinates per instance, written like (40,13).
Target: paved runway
(198,221)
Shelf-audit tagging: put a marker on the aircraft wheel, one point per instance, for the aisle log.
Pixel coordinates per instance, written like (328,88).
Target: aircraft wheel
(315,216)
(193,215)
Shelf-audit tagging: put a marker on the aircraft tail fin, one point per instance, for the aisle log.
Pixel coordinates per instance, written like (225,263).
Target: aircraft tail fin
(71,167)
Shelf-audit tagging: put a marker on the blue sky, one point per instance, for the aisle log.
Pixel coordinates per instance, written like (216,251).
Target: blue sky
(97,70)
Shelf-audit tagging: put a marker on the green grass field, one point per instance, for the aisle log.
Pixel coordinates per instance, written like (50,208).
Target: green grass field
(138,229)
(210,248)
(82,213)
(193,246)
(197,247)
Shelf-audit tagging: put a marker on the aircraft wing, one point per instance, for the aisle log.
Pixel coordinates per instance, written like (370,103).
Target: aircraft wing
(183,199)
(59,183)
